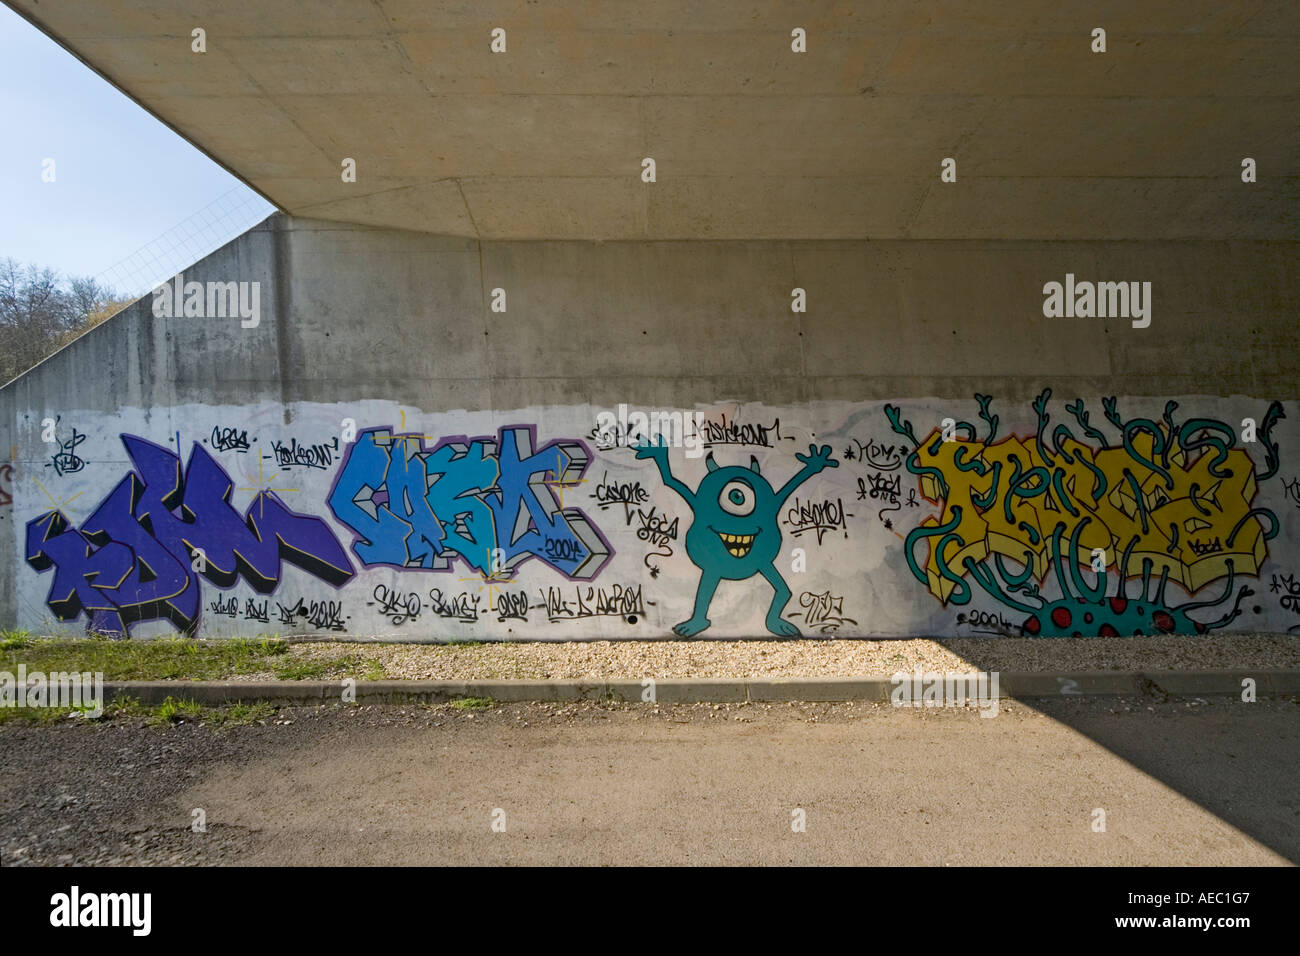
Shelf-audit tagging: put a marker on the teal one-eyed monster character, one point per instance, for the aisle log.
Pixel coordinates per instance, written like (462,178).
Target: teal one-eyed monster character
(735,532)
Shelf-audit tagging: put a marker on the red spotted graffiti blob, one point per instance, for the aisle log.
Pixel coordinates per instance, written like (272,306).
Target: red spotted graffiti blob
(1113,617)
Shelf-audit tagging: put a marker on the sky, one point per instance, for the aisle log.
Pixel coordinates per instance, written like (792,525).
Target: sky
(123,181)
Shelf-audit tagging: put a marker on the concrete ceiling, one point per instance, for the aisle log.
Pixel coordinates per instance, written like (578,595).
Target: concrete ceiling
(750,139)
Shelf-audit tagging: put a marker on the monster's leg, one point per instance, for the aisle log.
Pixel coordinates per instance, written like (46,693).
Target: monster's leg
(703,595)
(774,623)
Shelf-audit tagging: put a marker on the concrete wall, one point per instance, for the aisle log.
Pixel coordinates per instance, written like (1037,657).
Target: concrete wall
(384,454)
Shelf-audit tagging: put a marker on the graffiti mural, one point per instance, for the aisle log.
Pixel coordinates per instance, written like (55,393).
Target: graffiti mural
(139,555)
(6,485)
(1045,518)
(1157,502)
(491,503)
(735,532)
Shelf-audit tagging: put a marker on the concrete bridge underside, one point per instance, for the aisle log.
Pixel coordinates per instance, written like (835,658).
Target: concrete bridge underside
(750,139)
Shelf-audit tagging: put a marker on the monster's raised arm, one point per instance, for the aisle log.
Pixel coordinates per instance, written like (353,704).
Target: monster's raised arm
(659,452)
(816,460)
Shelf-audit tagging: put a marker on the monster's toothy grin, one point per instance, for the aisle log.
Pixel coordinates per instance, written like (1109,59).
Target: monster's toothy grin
(737,545)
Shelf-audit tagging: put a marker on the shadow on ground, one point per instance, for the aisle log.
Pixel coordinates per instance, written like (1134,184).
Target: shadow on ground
(1224,758)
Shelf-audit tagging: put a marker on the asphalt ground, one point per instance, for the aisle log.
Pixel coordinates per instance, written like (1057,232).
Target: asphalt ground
(1208,781)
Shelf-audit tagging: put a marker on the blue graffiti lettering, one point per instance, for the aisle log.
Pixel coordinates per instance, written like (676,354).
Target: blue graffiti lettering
(491,502)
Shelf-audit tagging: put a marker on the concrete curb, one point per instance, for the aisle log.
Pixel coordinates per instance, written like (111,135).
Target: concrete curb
(672,691)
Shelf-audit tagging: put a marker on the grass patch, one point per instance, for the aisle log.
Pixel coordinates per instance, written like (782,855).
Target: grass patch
(308,668)
(173,710)
(472,703)
(176,710)
(332,668)
(31,715)
(12,640)
(179,658)
(182,658)
(164,658)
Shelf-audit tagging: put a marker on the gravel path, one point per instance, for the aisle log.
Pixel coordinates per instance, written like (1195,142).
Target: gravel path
(806,658)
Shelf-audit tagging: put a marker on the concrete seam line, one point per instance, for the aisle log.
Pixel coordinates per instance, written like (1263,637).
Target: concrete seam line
(711,690)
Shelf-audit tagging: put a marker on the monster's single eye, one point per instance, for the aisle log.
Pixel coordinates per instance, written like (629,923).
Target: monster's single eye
(737,498)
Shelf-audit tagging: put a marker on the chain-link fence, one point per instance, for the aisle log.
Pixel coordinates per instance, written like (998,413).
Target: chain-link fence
(221,220)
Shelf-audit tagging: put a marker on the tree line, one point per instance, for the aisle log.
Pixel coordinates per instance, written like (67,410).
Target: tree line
(40,313)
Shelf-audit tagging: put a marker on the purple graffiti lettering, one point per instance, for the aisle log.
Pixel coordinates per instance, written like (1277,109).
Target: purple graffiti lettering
(139,556)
